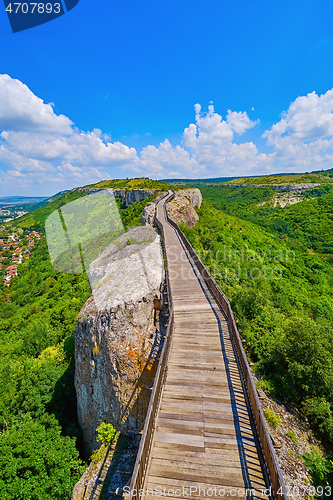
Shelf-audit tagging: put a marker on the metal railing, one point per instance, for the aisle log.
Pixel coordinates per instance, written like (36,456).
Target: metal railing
(141,462)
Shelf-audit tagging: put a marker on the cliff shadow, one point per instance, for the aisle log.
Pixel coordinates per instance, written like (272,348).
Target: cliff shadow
(63,404)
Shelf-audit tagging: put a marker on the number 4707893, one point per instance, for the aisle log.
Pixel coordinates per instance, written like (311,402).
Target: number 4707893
(31,8)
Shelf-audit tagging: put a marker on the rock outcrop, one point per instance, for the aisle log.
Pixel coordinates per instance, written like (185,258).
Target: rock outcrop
(148,214)
(118,336)
(181,207)
(127,196)
(147,218)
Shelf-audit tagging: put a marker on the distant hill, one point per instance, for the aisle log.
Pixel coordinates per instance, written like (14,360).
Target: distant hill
(17,200)
(42,202)
(40,208)
(28,203)
(317,176)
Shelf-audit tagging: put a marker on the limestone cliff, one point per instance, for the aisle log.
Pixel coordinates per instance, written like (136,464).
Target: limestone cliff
(118,336)
(181,207)
(127,196)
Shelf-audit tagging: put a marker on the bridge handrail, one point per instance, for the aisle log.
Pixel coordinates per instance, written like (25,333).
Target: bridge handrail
(139,471)
(279,490)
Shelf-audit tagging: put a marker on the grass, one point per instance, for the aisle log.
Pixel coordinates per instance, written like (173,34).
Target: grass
(291,435)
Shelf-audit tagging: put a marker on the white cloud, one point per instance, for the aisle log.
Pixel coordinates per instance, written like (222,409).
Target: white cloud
(38,147)
(210,141)
(21,110)
(83,148)
(67,170)
(159,161)
(308,118)
(207,149)
(239,121)
(302,139)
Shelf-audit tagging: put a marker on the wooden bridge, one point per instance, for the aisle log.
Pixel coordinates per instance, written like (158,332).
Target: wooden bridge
(205,435)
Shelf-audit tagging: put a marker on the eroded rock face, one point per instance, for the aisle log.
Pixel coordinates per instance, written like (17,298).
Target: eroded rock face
(147,218)
(148,214)
(127,197)
(181,207)
(116,338)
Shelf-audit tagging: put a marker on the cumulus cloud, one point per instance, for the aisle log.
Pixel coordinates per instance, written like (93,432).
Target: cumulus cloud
(210,142)
(67,169)
(303,136)
(54,154)
(21,110)
(239,121)
(84,148)
(39,147)
(163,159)
(308,118)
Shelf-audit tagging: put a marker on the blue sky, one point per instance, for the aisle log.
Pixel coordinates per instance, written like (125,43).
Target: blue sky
(135,71)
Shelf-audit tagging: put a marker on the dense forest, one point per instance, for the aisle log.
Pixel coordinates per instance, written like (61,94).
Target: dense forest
(40,441)
(275,266)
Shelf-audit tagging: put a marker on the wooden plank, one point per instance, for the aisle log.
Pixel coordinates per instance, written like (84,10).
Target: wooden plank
(184,430)
(204,469)
(177,438)
(232,478)
(231,457)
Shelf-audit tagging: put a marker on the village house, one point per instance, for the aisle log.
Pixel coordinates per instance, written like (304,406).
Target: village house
(35,234)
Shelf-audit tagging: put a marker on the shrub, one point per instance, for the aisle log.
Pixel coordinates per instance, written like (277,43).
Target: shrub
(273,420)
(106,434)
(291,435)
(319,467)
(319,413)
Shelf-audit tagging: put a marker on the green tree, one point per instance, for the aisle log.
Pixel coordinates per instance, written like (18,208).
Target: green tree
(106,434)
(36,462)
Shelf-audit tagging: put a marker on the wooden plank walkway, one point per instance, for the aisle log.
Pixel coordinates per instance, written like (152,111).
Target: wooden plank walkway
(203,436)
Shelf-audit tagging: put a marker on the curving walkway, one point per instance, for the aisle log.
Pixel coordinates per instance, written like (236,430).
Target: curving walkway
(204,437)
